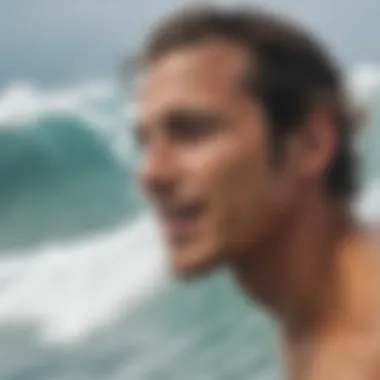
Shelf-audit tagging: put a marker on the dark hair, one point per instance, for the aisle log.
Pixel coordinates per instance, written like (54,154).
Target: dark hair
(292,72)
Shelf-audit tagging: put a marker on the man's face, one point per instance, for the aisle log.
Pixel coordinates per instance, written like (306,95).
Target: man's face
(206,158)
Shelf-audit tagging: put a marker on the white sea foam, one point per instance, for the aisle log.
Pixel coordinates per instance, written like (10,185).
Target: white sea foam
(70,290)
(21,103)
(99,104)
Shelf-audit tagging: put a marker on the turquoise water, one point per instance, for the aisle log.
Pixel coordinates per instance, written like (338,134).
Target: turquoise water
(84,288)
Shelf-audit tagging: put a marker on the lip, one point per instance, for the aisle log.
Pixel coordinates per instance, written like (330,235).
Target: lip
(180,222)
(176,230)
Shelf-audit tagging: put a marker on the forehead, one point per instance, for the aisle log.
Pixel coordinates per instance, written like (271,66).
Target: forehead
(203,75)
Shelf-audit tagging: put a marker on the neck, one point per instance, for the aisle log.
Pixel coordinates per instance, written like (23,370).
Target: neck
(295,277)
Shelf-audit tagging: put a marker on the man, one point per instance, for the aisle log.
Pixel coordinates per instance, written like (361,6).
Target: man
(245,138)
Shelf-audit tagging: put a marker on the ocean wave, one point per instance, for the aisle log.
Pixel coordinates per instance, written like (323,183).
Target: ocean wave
(65,129)
(23,103)
(70,290)
(102,106)
(65,160)
(63,174)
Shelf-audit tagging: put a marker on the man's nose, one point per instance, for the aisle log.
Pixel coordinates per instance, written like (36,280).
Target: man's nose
(158,171)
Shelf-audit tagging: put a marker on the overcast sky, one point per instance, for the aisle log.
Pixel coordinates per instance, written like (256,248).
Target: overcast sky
(67,40)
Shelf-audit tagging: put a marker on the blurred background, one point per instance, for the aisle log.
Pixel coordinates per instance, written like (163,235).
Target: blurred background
(84,287)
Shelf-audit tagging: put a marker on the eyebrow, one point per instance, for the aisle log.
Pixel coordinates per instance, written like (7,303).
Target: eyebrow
(187,114)
(182,115)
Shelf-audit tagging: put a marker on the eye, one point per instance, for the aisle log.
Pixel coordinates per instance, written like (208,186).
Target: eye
(193,126)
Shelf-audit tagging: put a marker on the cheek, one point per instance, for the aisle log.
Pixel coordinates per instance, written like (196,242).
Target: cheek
(230,178)
(220,170)
(231,175)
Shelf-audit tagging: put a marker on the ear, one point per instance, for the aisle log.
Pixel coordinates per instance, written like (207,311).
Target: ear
(319,142)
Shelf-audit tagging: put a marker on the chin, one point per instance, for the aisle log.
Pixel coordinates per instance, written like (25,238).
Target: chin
(193,263)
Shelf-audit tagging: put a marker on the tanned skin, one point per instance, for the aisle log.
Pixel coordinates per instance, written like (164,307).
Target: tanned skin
(207,168)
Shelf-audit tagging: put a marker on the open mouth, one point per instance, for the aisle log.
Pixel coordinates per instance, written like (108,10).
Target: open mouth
(181,220)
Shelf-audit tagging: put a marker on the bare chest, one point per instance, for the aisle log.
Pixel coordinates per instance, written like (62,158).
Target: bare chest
(343,355)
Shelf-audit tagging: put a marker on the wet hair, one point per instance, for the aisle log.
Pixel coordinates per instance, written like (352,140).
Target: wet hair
(289,71)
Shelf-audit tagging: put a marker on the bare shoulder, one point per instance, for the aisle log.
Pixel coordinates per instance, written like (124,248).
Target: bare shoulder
(350,347)
(340,353)
(373,249)
(346,355)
